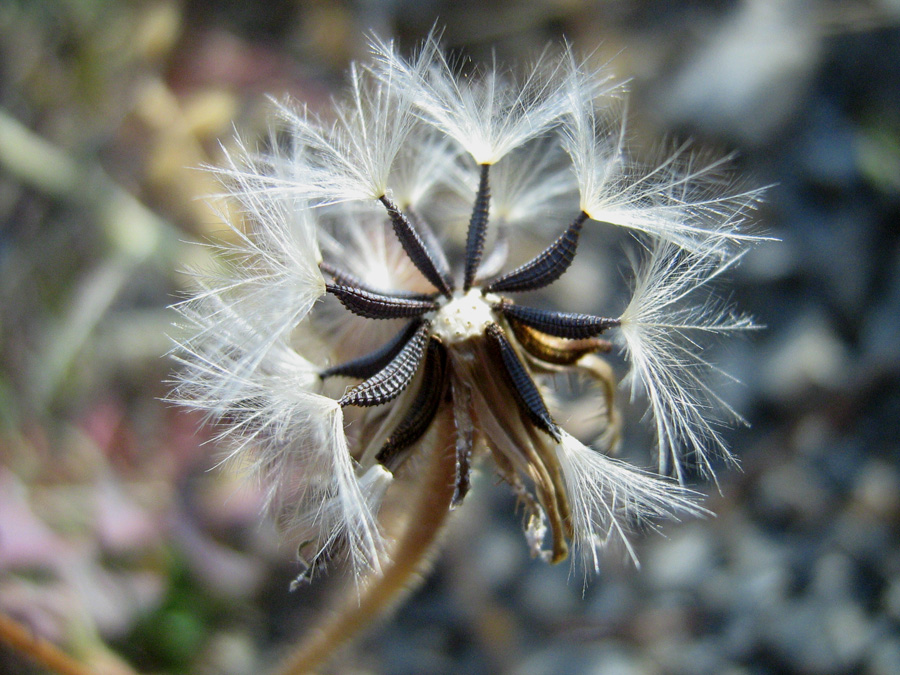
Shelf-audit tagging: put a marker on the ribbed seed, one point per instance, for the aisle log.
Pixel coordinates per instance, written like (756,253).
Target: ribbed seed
(372,305)
(416,248)
(388,383)
(561,324)
(432,244)
(544,268)
(477,228)
(369,364)
(423,408)
(529,399)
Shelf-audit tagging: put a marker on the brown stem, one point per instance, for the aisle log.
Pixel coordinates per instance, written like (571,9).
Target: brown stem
(39,650)
(428,508)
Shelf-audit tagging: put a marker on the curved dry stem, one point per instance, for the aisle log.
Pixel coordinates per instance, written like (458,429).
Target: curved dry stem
(360,605)
(601,372)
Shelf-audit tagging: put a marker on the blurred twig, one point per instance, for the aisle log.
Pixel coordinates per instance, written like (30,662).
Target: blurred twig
(134,233)
(41,651)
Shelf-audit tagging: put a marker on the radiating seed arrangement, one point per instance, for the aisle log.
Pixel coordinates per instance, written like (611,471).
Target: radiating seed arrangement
(347,319)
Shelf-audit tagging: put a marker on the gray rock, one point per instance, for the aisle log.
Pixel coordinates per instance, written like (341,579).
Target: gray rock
(885,658)
(811,353)
(682,561)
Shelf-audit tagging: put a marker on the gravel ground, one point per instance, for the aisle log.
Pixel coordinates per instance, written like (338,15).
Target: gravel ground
(797,572)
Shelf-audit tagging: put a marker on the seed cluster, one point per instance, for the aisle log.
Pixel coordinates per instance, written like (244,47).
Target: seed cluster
(511,334)
(358,209)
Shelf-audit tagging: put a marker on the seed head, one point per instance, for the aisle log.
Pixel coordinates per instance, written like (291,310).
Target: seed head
(332,403)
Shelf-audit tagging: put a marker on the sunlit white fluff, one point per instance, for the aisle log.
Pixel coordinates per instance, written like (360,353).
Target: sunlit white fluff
(348,509)
(278,427)
(531,187)
(360,242)
(489,114)
(365,246)
(682,199)
(414,131)
(319,528)
(267,276)
(346,159)
(608,498)
(534,185)
(351,158)
(428,163)
(239,368)
(667,315)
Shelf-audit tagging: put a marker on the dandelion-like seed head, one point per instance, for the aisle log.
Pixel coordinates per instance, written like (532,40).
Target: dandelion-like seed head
(348,340)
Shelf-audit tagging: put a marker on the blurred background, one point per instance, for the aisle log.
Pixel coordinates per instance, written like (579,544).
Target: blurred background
(119,544)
